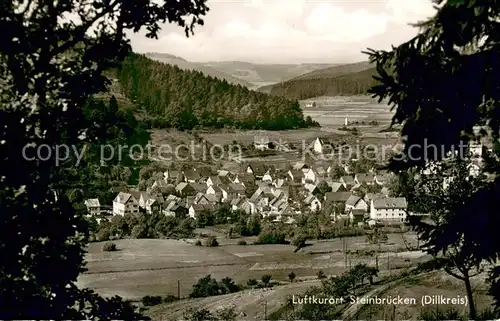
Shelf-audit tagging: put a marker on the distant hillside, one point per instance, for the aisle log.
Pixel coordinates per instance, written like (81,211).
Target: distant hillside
(207,70)
(351,79)
(243,73)
(264,73)
(335,71)
(184,99)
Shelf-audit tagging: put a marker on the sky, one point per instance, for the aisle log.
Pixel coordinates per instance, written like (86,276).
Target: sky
(291,31)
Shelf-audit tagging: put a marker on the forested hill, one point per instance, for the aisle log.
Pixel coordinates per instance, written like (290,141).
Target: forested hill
(185,99)
(323,84)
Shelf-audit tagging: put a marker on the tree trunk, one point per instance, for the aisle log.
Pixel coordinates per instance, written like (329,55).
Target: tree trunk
(470,298)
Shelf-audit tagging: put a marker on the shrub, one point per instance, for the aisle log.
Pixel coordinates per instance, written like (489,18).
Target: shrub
(109,247)
(242,242)
(291,276)
(211,241)
(252,282)
(266,279)
(170,298)
(150,300)
(197,243)
(321,275)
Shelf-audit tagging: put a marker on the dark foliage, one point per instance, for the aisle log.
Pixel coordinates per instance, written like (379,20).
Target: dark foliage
(187,99)
(443,84)
(355,83)
(49,69)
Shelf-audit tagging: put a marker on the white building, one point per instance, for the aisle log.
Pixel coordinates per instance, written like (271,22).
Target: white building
(93,206)
(318,145)
(261,142)
(388,209)
(125,203)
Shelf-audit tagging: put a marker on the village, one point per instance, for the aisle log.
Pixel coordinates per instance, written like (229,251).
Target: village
(359,195)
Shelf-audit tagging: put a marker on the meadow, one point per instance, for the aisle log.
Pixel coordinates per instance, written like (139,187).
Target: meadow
(154,267)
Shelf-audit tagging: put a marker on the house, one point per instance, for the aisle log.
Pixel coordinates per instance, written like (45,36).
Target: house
(93,206)
(176,210)
(197,209)
(261,142)
(214,180)
(268,177)
(257,169)
(309,176)
(476,150)
(199,187)
(313,202)
(357,216)
(388,209)
(152,206)
(206,199)
(348,182)
(295,175)
(216,191)
(300,166)
(171,175)
(244,179)
(236,190)
(355,203)
(125,203)
(143,198)
(241,203)
(185,189)
(364,179)
(159,183)
(191,176)
(337,187)
(337,197)
(319,145)
(372,196)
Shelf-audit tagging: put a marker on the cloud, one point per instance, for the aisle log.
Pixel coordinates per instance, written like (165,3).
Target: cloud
(292,30)
(333,22)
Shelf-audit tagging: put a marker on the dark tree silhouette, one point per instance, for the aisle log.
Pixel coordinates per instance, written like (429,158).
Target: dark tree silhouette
(443,84)
(49,68)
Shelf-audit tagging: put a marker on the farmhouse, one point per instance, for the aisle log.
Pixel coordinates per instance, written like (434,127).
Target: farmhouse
(176,210)
(93,206)
(125,203)
(185,189)
(313,202)
(388,209)
(309,176)
(191,176)
(152,206)
(348,182)
(197,209)
(258,170)
(355,203)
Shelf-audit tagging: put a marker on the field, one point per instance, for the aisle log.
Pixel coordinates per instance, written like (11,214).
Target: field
(154,267)
(330,113)
(435,284)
